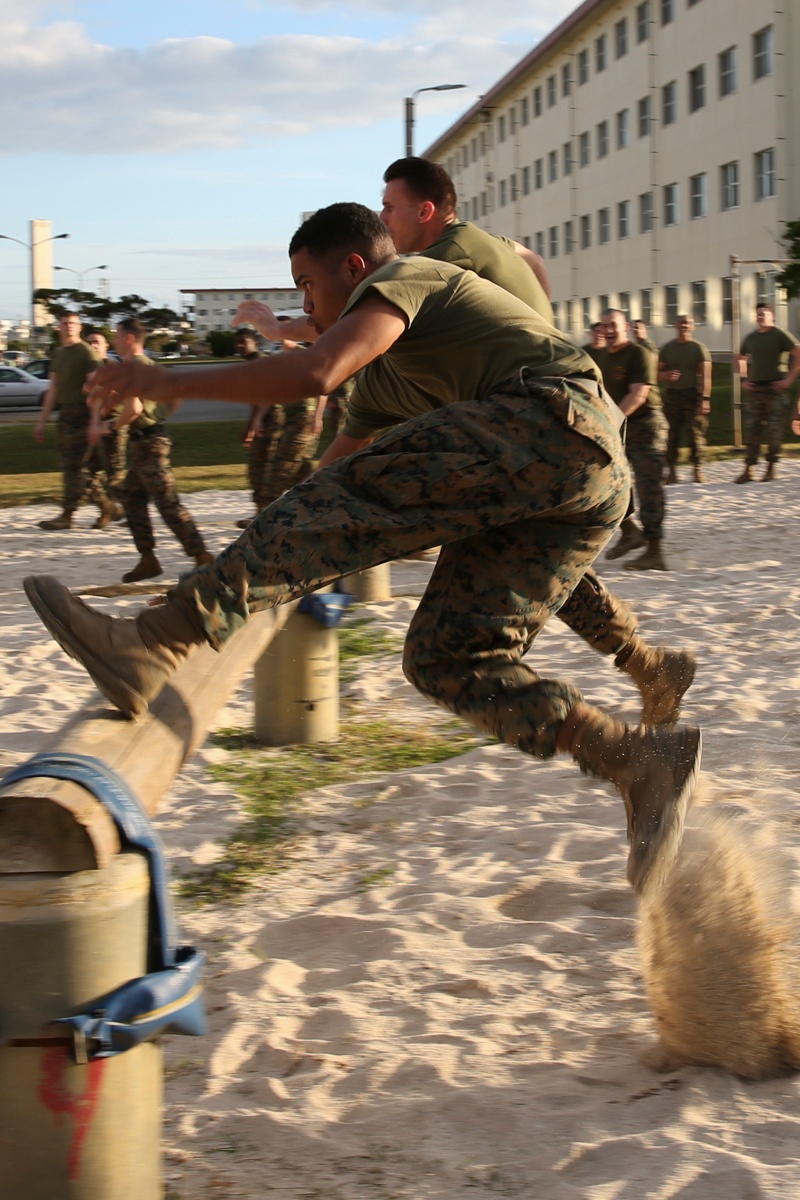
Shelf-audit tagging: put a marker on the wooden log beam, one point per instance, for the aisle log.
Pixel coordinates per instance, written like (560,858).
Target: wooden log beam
(54,825)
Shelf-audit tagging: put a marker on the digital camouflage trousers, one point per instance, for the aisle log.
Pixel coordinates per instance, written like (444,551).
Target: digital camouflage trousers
(764,420)
(282,456)
(91,472)
(646,443)
(683,410)
(521,489)
(150,477)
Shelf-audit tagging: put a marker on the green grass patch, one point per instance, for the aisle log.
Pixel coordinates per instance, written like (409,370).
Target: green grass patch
(359,637)
(274,782)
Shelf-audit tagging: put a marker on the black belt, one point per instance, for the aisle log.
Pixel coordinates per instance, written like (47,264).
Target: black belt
(148,431)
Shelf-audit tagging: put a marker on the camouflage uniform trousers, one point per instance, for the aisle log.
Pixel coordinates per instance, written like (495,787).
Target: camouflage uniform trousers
(521,499)
(290,461)
(764,411)
(150,477)
(114,452)
(645,443)
(262,448)
(683,408)
(83,465)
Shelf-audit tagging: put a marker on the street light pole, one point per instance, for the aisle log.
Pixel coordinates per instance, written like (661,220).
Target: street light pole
(31,246)
(80,274)
(409,109)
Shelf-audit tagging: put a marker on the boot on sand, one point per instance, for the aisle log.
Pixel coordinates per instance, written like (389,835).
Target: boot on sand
(654,770)
(630,538)
(148,567)
(651,560)
(204,558)
(109,511)
(661,675)
(672,475)
(770,473)
(62,521)
(699,476)
(130,660)
(746,475)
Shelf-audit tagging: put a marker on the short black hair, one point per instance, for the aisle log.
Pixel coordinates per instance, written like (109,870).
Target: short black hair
(426,180)
(134,326)
(764,304)
(243,334)
(346,226)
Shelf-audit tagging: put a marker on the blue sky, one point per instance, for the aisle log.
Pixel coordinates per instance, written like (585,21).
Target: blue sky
(179,142)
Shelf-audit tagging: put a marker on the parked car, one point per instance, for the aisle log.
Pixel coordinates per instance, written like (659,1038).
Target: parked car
(18,389)
(39,367)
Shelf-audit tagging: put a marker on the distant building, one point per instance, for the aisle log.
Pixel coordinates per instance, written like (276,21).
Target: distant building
(214,307)
(636,148)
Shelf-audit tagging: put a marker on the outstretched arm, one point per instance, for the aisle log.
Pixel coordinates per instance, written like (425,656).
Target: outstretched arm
(261,316)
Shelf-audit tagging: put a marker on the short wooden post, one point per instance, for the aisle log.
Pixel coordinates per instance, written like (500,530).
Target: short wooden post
(375,583)
(297,685)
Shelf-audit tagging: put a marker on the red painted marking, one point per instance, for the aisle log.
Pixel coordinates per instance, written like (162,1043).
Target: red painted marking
(57,1096)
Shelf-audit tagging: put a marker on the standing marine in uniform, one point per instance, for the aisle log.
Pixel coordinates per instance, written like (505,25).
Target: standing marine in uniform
(629,375)
(685,366)
(113,446)
(639,331)
(71,365)
(509,457)
(767,377)
(150,474)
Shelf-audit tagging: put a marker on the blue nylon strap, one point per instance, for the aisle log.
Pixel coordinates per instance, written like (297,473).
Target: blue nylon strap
(168,997)
(327,608)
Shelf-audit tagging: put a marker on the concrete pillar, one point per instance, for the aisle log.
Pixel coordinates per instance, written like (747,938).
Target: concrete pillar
(73,1131)
(373,584)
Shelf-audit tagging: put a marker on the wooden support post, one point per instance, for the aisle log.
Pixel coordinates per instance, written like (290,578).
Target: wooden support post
(297,685)
(375,583)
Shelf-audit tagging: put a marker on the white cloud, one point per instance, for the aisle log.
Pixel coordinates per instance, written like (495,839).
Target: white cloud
(74,95)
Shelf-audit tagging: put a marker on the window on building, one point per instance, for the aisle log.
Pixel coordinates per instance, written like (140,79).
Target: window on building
(644,112)
(512,187)
(667,11)
(697,88)
(643,21)
(552,95)
(484,204)
(501,128)
(621,38)
(698,196)
(727,71)
(569,237)
(503,198)
(669,103)
(762,53)
(699,301)
(586,312)
(556,315)
(646,305)
(584,151)
(526,181)
(645,212)
(465,155)
(624,303)
(524,111)
(671,204)
(623,128)
(540,244)
(603,225)
(566,155)
(727,300)
(600,53)
(538,173)
(552,241)
(552,166)
(583,66)
(604,303)
(729,186)
(475,207)
(537,101)
(512,120)
(602,139)
(624,219)
(764,173)
(566,79)
(586,231)
(671,303)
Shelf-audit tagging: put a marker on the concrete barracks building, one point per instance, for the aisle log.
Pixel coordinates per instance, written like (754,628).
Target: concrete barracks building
(637,148)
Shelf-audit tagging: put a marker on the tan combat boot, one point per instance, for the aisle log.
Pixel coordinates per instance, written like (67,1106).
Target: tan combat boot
(699,477)
(651,560)
(662,676)
(62,521)
(746,475)
(129,660)
(672,475)
(109,511)
(770,473)
(630,538)
(654,770)
(148,567)
(204,558)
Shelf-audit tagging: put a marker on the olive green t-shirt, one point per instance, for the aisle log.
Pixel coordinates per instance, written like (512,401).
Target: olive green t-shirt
(72,365)
(646,344)
(686,357)
(465,336)
(493,258)
(768,354)
(622,368)
(152,413)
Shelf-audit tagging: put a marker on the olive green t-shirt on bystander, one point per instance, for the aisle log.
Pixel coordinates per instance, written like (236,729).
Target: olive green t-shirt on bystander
(72,366)
(767,354)
(629,365)
(686,357)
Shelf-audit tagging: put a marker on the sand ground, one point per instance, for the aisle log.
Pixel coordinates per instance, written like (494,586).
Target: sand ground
(473,1025)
